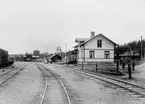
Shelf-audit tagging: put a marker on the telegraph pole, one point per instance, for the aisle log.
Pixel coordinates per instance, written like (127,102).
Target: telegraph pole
(141,46)
(65,52)
(47,56)
(129,62)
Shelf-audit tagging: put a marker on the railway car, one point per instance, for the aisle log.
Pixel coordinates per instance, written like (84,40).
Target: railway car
(10,61)
(3,58)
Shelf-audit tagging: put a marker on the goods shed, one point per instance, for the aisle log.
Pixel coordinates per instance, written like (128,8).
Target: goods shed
(55,58)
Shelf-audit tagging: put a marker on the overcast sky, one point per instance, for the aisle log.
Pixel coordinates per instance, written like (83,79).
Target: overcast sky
(26,25)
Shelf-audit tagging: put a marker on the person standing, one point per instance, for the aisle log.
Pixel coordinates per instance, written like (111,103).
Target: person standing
(96,67)
(133,64)
(123,64)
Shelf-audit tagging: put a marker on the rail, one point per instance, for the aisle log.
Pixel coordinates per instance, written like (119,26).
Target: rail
(56,76)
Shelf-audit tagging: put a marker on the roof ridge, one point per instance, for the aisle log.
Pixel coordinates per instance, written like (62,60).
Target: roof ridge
(96,36)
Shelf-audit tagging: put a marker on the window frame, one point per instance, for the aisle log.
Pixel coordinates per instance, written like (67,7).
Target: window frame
(99,43)
(91,54)
(107,54)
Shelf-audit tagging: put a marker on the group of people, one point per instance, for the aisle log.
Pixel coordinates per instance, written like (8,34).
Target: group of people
(129,62)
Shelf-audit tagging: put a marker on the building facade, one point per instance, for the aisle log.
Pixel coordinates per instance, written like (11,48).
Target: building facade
(97,48)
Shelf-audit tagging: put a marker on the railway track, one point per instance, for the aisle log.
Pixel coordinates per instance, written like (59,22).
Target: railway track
(45,72)
(136,90)
(8,75)
(11,70)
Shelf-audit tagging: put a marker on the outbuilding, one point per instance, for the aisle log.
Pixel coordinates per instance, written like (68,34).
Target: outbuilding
(55,58)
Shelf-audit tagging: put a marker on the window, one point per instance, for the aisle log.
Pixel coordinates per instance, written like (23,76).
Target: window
(99,43)
(107,54)
(92,54)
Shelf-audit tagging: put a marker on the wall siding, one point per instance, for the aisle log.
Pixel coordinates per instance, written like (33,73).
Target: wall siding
(99,52)
(106,44)
(99,60)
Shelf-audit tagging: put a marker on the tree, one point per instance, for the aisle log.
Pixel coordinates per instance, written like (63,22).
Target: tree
(135,46)
(36,52)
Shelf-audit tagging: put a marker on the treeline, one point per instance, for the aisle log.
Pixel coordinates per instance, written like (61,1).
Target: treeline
(135,46)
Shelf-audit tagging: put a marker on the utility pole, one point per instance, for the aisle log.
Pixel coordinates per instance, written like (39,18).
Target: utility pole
(117,61)
(141,46)
(129,62)
(47,55)
(117,64)
(65,52)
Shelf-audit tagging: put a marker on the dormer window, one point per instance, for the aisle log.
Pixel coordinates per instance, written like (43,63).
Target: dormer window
(99,43)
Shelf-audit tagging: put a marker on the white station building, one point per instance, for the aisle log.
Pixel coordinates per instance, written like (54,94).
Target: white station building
(97,48)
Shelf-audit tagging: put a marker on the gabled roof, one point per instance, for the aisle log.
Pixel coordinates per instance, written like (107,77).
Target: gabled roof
(81,39)
(95,37)
(54,55)
(75,46)
(74,50)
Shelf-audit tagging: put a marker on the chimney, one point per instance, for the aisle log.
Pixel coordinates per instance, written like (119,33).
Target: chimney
(92,34)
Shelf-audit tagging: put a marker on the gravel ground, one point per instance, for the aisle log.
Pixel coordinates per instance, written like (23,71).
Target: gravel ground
(138,74)
(84,90)
(25,88)
(5,70)
(55,93)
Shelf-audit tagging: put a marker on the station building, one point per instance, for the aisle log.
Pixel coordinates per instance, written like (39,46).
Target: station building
(97,48)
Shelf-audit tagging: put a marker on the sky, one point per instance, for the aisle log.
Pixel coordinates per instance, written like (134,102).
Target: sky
(26,25)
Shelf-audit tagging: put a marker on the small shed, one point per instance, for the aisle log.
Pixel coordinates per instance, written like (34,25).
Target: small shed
(55,58)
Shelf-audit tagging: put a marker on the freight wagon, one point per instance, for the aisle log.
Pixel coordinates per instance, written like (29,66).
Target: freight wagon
(3,58)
